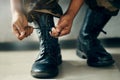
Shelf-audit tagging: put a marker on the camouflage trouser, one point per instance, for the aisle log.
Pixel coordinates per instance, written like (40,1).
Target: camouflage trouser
(103,6)
(30,7)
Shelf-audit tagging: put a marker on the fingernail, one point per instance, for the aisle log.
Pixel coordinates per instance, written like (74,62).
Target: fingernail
(22,33)
(52,29)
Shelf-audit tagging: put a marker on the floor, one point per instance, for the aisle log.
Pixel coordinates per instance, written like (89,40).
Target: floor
(16,65)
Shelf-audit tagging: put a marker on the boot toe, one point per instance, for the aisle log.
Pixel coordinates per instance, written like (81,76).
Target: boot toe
(100,62)
(44,70)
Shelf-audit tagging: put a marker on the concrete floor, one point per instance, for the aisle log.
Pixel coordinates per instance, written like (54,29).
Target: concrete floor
(16,65)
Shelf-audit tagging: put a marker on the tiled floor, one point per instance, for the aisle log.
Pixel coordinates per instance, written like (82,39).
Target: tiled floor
(16,65)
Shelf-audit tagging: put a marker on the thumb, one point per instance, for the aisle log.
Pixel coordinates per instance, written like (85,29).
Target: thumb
(61,25)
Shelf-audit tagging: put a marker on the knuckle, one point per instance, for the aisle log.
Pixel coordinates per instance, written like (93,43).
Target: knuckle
(19,38)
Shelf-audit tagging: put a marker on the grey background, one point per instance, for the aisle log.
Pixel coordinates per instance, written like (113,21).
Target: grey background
(6,34)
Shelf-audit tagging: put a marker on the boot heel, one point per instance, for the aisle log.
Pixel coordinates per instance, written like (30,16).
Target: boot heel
(81,54)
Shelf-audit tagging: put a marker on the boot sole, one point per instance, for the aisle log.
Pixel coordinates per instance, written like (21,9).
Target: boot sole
(103,64)
(44,75)
(92,64)
(47,74)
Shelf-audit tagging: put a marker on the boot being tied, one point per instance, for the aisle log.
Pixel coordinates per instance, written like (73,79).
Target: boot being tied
(46,65)
(88,45)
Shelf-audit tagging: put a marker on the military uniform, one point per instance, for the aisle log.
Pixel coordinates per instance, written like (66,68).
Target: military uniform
(31,7)
(104,6)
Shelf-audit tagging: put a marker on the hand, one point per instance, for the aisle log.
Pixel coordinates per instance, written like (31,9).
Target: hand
(20,26)
(63,27)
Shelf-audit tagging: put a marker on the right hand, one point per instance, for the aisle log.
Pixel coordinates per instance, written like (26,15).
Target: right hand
(63,27)
(20,26)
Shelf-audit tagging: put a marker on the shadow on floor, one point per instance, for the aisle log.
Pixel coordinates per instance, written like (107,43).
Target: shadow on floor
(79,68)
(116,57)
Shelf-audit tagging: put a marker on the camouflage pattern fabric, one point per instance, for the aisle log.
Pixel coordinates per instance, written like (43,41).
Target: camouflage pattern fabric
(31,7)
(106,4)
(103,6)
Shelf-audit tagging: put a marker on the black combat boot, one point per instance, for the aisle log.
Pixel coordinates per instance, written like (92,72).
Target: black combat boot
(46,65)
(88,45)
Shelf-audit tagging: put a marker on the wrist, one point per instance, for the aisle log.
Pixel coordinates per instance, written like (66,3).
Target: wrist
(16,13)
(71,14)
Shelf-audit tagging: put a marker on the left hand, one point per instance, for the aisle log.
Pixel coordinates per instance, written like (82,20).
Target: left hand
(20,26)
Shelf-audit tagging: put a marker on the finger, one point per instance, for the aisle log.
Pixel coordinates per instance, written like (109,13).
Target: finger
(22,33)
(31,30)
(28,30)
(22,36)
(21,29)
(64,32)
(18,33)
(61,26)
(53,32)
(15,31)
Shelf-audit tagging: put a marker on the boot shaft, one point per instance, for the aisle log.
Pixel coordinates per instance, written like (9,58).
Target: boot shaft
(48,44)
(45,23)
(88,45)
(93,24)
